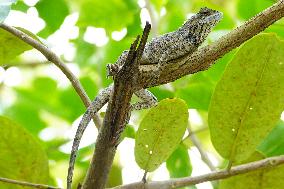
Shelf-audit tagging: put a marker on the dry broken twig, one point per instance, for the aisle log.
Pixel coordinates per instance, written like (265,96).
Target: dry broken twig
(116,116)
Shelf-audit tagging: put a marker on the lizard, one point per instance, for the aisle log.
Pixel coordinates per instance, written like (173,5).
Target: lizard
(160,50)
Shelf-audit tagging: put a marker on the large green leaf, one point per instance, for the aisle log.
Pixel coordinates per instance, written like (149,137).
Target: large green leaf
(21,156)
(268,178)
(10,47)
(160,132)
(273,144)
(111,15)
(53,21)
(5,6)
(249,98)
(178,164)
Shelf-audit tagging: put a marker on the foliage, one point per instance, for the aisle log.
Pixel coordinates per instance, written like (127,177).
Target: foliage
(242,94)
(23,156)
(244,103)
(160,132)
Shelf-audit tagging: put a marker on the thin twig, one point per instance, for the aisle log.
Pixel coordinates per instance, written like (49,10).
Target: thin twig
(216,175)
(52,57)
(198,145)
(28,184)
(25,65)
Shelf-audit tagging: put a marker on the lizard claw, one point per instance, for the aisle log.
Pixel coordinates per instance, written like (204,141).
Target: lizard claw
(112,69)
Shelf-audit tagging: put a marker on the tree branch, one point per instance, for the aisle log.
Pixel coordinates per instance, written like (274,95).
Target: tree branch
(205,57)
(216,175)
(198,145)
(28,184)
(52,57)
(116,116)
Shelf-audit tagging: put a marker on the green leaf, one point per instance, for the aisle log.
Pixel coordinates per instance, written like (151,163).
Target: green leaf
(128,132)
(273,144)
(268,178)
(113,15)
(5,6)
(115,176)
(248,100)
(198,88)
(277,28)
(21,6)
(197,95)
(178,164)
(161,92)
(53,21)
(22,157)
(10,47)
(160,132)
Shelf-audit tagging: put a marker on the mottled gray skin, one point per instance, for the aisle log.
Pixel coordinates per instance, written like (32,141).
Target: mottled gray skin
(159,50)
(184,40)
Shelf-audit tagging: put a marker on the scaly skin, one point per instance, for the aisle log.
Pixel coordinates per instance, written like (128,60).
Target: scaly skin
(160,50)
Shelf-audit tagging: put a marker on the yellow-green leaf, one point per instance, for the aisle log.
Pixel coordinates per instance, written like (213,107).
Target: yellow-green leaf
(21,156)
(10,47)
(160,132)
(249,98)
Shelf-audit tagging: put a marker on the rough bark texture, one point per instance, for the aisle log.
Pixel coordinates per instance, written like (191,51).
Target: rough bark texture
(116,116)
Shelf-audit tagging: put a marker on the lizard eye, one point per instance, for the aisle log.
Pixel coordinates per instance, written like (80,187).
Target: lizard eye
(205,10)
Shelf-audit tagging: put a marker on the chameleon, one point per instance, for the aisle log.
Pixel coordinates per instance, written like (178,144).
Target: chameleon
(160,50)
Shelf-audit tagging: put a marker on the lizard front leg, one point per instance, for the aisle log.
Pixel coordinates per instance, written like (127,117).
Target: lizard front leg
(96,105)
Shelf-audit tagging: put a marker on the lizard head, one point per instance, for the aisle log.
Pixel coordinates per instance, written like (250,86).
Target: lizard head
(200,25)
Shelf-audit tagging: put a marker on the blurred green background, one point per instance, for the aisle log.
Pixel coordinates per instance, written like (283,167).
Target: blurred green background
(87,35)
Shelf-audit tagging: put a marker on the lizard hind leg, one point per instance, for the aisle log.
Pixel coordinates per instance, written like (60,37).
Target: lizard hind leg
(96,105)
(148,100)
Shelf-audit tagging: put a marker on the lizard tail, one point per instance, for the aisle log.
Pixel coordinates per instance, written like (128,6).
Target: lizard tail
(79,133)
(96,105)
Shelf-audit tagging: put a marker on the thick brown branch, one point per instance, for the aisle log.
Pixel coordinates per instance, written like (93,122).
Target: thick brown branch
(216,175)
(205,57)
(27,184)
(52,57)
(116,117)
